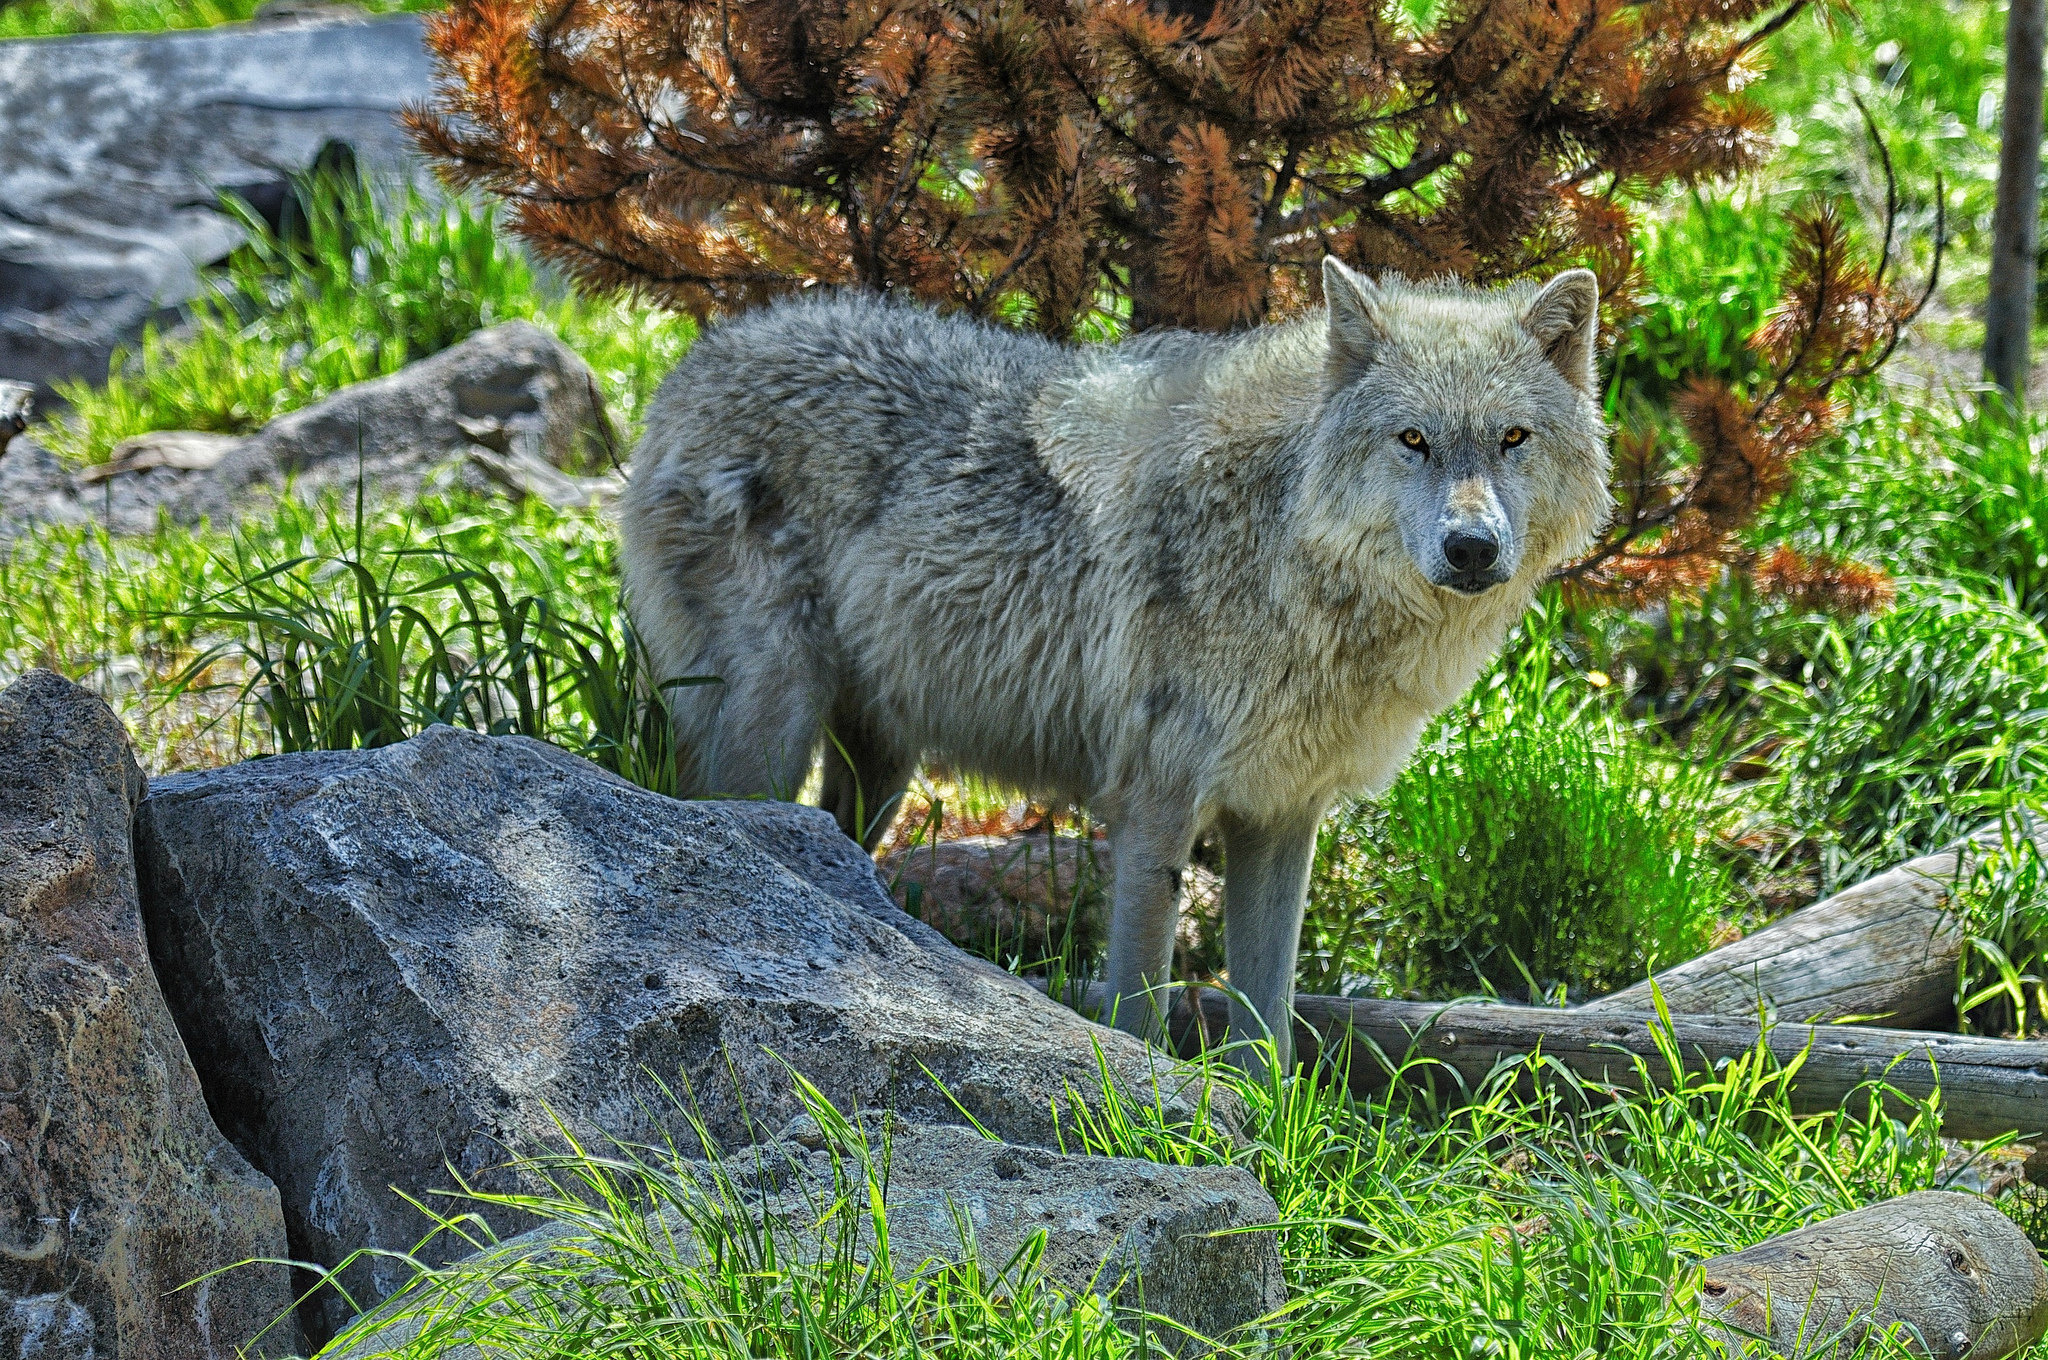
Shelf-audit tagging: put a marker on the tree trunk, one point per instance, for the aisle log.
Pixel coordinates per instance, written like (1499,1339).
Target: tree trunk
(1948,1270)
(2009,315)
(1988,1086)
(1886,949)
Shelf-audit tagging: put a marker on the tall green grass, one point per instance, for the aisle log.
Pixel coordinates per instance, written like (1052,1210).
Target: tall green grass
(2002,977)
(1907,730)
(373,630)
(646,1255)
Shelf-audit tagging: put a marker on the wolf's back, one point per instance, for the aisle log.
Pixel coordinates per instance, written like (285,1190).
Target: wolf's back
(844,397)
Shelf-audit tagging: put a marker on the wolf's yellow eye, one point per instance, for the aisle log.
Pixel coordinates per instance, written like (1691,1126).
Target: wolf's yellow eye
(1515,435)
(1414,440)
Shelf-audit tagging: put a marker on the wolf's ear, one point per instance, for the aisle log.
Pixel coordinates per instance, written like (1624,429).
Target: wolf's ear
(1565,319)
(1355,330)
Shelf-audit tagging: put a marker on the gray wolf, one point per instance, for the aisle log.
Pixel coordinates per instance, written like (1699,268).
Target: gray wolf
(1193,582)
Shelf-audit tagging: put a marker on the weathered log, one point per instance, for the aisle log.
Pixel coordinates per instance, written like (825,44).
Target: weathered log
(1988,1086)
(1953,1275)
(1885,949)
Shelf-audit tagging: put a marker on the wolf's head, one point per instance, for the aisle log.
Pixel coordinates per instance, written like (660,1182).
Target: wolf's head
(1467,418)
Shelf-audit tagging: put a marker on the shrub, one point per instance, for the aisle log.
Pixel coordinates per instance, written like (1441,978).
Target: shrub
(1909,729)
(1085,168)
(1533,847)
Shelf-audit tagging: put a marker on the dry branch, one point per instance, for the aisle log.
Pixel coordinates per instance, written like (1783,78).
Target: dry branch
(1885,949)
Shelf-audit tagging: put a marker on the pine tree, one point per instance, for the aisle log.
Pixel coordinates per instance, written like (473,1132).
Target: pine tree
(1062,164)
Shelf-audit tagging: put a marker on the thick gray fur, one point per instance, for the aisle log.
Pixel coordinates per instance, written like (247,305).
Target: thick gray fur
(1190,581)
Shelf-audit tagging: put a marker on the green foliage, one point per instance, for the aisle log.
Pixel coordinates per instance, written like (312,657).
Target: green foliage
(49,18)
(1934,489)
(343,628)
(1533,847)
(1930,75)
(1710,269)
(363,289)
(650,1256)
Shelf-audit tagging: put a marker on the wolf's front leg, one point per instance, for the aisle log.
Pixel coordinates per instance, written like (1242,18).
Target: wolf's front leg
(1150,846)
(1265,888)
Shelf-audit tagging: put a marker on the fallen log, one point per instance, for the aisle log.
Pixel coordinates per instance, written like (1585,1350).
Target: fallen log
(1988,1087)
(1884,949)
(1953,1275)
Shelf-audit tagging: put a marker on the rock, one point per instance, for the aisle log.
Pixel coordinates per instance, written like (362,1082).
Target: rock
(17,403)
(46,1327)
(1169,1235)
(387,961)
(36,489)
(511,408)
(1179,1241)
(513,392)
(1959,1275)
(114,149)
(115,1186)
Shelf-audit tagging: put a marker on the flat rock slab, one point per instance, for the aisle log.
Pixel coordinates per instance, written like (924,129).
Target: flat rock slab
(115,1186)
(1191,1244)
(114,149)
(1956,1276)
(391,961)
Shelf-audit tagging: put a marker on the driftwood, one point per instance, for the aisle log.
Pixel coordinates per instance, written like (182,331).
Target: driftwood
(1884,949)
(1949,1271)
(1988,1086)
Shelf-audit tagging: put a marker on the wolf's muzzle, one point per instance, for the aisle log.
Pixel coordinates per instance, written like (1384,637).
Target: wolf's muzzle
(1473,559)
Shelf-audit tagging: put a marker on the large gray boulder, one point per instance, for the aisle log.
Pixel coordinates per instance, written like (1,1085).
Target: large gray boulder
(1194,1245)
(390,962)
(114,149)
(115,1186)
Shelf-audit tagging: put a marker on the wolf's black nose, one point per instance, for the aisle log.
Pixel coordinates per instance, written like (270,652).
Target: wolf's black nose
(1468,553)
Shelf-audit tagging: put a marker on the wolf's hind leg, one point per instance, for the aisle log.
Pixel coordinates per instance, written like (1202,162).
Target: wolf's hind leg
(1150,849)
(1265,888)
(865,776)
